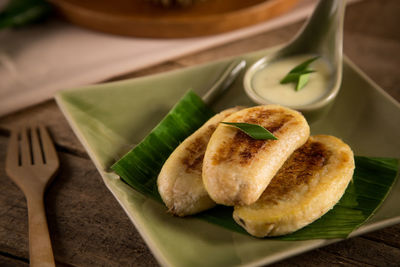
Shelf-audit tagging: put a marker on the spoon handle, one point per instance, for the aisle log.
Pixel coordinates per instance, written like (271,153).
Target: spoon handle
(323,31)
(225,80)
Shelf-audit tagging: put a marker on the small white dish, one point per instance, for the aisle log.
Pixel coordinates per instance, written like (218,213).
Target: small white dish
(309,109)
(321,35)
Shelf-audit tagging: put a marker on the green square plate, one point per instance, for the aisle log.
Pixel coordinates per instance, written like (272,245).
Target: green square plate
(110,118)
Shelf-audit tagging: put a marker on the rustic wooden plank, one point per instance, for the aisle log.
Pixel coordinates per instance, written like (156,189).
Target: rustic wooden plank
(317,258)
(376,17)
(13,214)
(372,41)
(378,57)
(389,236)
(87,225)
(50,115)
(358,251)
(366,252)
(6,261)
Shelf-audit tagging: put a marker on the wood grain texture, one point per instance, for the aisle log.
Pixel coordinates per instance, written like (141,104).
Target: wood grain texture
(46,113)
(32,173)
(6,261)
(390,236)
(83,232)
(88,227)
(318,258)
(366,252)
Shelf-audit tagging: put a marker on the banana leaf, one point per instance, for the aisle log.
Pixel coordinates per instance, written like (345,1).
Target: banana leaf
(372,179)
(140,167)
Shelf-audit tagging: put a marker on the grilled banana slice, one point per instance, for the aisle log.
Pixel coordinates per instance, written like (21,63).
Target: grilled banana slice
(180,180)
(237,168)
(308,185)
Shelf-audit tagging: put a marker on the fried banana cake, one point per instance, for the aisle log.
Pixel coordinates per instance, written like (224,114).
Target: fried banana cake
(238,168)
(307,186)
(180,180)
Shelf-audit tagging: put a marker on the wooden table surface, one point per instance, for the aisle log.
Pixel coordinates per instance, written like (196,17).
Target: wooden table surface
(89,228)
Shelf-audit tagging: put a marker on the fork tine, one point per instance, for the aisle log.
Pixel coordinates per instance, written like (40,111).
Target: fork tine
(36,150)
(25,148)
(12,158)
(50,153)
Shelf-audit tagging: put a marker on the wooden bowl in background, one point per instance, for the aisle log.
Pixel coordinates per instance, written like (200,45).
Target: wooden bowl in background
(143,19)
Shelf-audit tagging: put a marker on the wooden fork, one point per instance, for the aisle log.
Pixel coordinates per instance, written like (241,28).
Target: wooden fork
(31,163)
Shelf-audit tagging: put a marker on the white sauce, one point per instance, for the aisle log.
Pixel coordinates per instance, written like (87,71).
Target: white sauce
(266,81)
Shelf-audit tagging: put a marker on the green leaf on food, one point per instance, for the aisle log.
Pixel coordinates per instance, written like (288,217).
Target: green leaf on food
(293,77)
(304,65)
(255,131)
(299,74)
(303,80)
(372,179)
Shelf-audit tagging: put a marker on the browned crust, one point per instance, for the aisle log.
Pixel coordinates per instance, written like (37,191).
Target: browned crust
(193,159)
(296,171)
(245,148)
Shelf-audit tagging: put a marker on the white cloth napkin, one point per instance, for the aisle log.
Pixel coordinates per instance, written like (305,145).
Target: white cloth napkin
(39,60)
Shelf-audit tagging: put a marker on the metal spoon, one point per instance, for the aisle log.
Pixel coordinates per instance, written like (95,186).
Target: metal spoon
(321,35)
